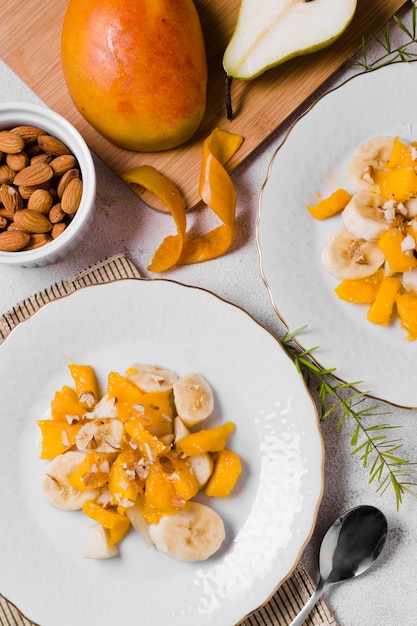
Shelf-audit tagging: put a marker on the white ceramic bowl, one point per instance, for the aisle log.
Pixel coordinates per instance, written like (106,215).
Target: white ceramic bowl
(20,113)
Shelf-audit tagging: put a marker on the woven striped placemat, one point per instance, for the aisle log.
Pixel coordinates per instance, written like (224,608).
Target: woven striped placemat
(291,596)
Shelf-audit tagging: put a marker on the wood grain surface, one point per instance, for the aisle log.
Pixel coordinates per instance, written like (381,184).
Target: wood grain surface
(30,35)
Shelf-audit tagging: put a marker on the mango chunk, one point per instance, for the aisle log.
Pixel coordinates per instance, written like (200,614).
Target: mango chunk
(57,437)
(124,482)
(160,497)
(210,440)
(227,469)
(359,290)
(407,312)
(116,524)
(398,259)
(93,472)
(65,404)
(399,184)
(381,309)
(401,155)
(86,385)
(333,204)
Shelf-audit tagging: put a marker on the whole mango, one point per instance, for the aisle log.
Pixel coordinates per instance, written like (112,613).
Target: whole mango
(136,70)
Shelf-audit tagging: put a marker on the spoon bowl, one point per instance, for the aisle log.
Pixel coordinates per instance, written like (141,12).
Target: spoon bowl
(350,546)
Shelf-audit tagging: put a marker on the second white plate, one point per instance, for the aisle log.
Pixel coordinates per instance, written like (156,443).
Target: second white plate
(314,159)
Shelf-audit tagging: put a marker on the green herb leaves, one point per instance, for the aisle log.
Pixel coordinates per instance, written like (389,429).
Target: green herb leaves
(371,442)
(406,51)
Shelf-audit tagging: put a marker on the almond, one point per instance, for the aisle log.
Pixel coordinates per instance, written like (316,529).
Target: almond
(37,240)
(32,221)
(10,197)
(52,145)
(17,161)
(7,174)
(62,164)
(29,134)
(42,157)
(56,214)
(71,197)
(27,190)
(34,175)
(10,142)
(73,173)
(7,213)
(13,240)
(58,229)
(40,200)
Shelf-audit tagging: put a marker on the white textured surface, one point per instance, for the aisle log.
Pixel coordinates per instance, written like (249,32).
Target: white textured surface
(386,594)
(268,518)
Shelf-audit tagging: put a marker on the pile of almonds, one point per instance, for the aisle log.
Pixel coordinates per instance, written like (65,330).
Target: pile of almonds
(40,188)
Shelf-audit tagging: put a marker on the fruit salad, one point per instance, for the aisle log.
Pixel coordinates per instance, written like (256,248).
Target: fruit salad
(374,253)
(135,457)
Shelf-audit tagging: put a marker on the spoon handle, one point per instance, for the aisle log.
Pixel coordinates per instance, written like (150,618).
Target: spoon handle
(301,617)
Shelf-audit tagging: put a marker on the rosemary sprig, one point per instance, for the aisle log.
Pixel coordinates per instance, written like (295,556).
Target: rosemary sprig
(379,454)
(407,51)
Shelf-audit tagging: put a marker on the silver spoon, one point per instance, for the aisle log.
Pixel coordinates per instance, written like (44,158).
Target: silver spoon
(350,546)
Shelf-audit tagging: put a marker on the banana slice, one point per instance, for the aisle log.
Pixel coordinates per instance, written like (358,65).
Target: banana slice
(371,155)
(96,544)
(368,215)
(193,534)
(150,378)
(56,488)
(345,256)
(193,399)
(102,435)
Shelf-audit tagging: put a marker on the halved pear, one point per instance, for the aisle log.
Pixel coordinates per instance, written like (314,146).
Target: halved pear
(269,32)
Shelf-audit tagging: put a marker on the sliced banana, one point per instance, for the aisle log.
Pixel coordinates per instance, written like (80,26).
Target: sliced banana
(56,488)
(371,155)
(345,256)
(193,398)
(193,534)
(368,215)
(150,378)
(106,407)
(96,544)
(102,435)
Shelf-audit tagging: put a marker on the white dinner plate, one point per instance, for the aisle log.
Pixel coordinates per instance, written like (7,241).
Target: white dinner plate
(269,517)
(313,159)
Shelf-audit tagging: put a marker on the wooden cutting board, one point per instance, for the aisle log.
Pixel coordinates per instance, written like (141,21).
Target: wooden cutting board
(30,44)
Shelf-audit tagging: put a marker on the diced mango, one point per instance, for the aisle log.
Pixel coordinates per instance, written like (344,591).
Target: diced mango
(401,155)
(333,204)
(93,472)
(115,523)
(381,309)
(86,384)
(360,290)
(154,410)
(181,475)
(148,445)
(407,312)
(160,497)
(65,404)
(399,184)
(210,440)
(227,469)
(57,437)
(124,483)
(390,244)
